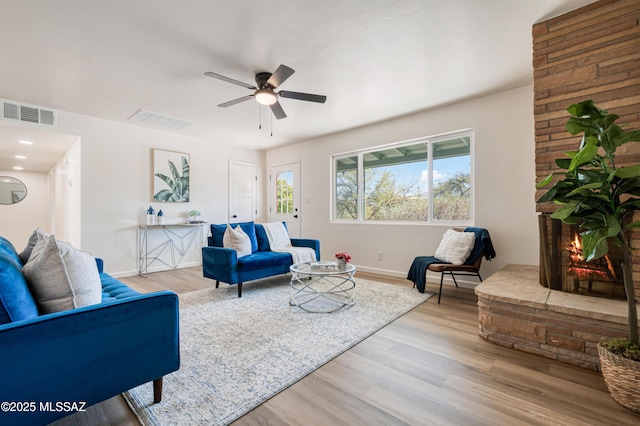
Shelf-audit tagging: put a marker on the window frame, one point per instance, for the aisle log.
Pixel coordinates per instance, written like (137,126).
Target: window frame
(429,141)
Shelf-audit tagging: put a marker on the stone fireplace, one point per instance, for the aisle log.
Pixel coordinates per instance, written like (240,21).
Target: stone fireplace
(589,53)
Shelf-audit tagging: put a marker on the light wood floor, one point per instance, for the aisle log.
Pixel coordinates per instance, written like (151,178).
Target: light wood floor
(429,367)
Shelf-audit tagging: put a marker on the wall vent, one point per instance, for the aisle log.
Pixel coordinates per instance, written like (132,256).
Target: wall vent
(28,113)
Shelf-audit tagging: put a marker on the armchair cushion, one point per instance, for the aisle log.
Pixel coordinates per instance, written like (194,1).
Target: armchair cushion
(62,277)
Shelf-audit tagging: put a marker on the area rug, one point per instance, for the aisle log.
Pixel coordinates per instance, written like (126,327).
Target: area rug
(236,353)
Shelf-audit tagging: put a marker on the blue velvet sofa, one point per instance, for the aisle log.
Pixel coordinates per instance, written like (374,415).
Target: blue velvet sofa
(80,356)
(223,264)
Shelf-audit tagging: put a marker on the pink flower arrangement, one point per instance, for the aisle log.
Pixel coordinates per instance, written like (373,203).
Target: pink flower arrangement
(343,255)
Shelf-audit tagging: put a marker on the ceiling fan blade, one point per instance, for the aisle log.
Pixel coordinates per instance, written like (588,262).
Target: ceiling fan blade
(229,80)
(279,76)
(278,111)
(236,101)
(303,96)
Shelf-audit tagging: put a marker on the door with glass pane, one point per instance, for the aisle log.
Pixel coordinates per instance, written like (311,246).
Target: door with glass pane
(284,197)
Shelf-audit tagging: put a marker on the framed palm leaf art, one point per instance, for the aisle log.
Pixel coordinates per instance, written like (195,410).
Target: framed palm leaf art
(170,176)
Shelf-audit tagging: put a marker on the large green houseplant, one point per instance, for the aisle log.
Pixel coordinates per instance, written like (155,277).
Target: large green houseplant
(601,198)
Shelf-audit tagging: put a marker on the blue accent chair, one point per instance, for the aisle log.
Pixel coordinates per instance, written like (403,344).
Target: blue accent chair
(223,264)
(84,355)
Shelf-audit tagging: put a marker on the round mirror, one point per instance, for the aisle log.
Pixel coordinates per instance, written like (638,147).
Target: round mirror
(12,190)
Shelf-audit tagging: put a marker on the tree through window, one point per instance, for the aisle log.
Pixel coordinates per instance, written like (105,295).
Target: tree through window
(418,181)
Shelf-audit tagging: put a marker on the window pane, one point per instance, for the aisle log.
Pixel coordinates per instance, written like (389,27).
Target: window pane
(347,188)
(395,184)
(284,192)
(452,179)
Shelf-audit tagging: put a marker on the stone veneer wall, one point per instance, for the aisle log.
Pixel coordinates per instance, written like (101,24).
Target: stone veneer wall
(517,312)
(589,53)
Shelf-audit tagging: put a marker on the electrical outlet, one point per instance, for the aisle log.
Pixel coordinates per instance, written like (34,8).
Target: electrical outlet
(379,254)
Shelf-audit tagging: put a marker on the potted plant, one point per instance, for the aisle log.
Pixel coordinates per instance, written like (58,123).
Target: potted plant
(343,258)
(193,216)
(601,198)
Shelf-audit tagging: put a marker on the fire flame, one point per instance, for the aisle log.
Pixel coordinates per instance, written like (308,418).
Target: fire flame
(581,268)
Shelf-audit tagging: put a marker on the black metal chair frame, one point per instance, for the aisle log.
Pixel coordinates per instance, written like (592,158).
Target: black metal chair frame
(470,272)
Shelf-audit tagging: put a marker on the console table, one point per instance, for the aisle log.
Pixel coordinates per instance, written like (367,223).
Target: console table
(175,242)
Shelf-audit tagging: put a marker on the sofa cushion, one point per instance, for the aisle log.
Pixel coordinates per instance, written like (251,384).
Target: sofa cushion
(238,240)
(9,250)
(455,246)
(16,302)
(218,230)
(62,277)
(33,239)
(261,236)
(263,259)
(113,290)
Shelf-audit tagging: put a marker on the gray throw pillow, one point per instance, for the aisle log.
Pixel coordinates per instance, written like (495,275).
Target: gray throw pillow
(61,277)
(33,240)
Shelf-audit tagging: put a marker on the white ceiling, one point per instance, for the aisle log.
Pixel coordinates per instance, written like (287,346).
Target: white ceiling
(373,59)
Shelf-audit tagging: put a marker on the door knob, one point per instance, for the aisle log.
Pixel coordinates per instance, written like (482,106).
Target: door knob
(295,216)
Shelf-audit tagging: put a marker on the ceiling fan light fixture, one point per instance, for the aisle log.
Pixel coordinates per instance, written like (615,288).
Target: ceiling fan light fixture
(265,97)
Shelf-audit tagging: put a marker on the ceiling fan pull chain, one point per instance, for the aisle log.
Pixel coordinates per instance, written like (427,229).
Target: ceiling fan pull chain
(271,125)
(259,118)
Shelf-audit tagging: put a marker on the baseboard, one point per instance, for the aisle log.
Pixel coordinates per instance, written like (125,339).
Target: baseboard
(433,277)
(158,268)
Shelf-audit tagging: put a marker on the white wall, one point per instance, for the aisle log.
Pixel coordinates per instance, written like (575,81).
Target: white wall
(17,221)
(65,196)
(116,184)
(504,184)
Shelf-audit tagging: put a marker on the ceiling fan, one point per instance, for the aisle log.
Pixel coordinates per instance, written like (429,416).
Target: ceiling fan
(264,91)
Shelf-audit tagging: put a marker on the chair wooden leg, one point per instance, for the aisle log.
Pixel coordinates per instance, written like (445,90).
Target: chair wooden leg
(239,289)
(157,390)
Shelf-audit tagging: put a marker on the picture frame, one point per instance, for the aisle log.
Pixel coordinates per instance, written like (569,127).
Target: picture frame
(170,176)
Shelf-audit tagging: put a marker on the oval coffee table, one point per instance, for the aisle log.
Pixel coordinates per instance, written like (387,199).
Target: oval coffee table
(322,287)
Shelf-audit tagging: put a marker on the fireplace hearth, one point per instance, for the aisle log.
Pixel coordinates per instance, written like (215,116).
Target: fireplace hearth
(563,266)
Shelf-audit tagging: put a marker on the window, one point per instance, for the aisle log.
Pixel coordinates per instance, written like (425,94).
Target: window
(426,180)
(284,192)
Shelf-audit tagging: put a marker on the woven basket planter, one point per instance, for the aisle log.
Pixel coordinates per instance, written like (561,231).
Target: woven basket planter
(622,377)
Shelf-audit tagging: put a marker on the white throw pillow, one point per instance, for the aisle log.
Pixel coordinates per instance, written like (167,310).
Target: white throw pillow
(455,247)
(237,239)
(61,277)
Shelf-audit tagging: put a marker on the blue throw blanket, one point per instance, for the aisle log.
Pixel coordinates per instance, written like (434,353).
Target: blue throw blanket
(482,246)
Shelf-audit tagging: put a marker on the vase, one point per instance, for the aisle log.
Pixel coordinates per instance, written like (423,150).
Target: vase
(342,265)
(622,377)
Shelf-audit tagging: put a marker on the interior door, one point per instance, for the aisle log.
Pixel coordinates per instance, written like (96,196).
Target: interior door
(284,197)
(243,191)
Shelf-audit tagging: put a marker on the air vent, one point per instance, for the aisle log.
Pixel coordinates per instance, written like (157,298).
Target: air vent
(156,119)
(11,111)
(28,113)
